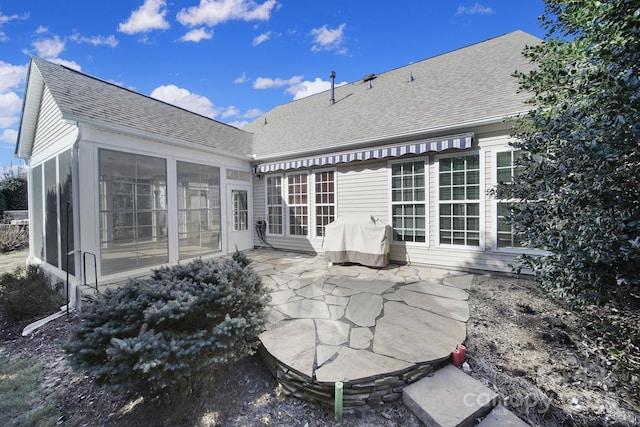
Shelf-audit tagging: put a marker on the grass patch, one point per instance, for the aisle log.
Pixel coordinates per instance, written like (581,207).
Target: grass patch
(22,401)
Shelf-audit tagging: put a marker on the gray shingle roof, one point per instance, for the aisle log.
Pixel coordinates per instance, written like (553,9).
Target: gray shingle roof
(80,96)
(465,85)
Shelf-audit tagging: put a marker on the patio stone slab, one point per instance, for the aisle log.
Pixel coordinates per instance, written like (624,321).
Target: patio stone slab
(311,291)
(438,290)
(326,352)
(337,311)
(332,332)
(450,398)
(415,335)
(447,307)
(353,364)
(370,285)
(280,297)
(336,300)
(462,282)
(295,342)
(360,338)
(502,417)
(363,309)
(305,309)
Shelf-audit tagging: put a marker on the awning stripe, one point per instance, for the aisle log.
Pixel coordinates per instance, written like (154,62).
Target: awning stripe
(460,142)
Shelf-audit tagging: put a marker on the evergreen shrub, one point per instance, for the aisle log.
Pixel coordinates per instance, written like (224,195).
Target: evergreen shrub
(150,334)
(28,292)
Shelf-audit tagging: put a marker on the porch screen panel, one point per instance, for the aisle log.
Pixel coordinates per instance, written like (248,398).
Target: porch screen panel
(51,212)
(133,211)
(198,210)
(66,196)
(37,212)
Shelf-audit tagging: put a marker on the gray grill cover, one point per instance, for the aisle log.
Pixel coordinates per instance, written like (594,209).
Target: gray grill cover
(359,239)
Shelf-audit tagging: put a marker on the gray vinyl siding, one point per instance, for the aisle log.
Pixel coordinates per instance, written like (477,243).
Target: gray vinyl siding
(363,189)
(50,127)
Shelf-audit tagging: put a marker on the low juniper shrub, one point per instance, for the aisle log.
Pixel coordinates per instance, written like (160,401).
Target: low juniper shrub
(151,334)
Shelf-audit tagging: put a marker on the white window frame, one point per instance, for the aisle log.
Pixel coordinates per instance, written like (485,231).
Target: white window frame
(313,205)
(283,183)
(288,206)
(481,199)
(391,204)
(496,201)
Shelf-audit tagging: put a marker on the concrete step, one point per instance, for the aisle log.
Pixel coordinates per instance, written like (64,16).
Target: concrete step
(449,398)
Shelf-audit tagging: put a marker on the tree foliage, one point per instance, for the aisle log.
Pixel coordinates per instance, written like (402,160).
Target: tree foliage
(151,333)
(13,189)
(579,178)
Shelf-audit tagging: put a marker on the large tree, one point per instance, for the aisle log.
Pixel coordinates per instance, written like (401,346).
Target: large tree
(579,176)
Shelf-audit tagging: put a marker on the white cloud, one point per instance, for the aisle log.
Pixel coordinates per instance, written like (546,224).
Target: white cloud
(268,83)
(148,17)
(328,39)
(42,30)
(213,12)
(230,111)
(239,123)
(308,88)
(476,9)
(253,113)
(4,19)
(10,107)
(49,48)
(241,79)
(110,41)
(196,35)
(261,38)
(11,76)
(9,136)
(185,99)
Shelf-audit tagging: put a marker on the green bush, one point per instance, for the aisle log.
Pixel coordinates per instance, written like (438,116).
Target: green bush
(28,292)
(152,333)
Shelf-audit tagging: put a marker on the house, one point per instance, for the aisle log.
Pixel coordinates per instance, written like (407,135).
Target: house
(123,182)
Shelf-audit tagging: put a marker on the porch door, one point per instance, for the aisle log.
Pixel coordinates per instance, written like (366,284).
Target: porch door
(239,218)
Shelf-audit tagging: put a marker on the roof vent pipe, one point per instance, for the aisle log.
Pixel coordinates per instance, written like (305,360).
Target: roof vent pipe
(411,76)
(332,76)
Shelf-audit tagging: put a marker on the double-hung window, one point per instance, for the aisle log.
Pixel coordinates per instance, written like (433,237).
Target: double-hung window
(274,204)
(325,199)
(408,201)
(505,171)
(459,200)
(297,200)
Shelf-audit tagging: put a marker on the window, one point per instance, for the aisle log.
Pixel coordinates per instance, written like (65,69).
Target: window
(408,201)
(505,171)
(238,175)
(198,209)
(297,198)
(274,204)
(240,210)
(325,200)
(459,200)
(37,212)
(133,211)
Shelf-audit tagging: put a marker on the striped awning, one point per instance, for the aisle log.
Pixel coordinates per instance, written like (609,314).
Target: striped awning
(380,152)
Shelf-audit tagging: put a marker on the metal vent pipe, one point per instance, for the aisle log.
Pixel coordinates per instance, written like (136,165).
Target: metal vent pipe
(332,76)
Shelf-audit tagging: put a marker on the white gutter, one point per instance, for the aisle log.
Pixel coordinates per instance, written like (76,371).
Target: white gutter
(151,136)
(399,136)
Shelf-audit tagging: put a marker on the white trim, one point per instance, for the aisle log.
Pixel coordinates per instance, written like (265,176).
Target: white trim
(287,217)
(312,199)
(481,200)
(427,194)
(282,204)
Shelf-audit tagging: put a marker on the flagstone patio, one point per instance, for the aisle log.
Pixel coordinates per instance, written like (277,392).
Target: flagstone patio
(375,330)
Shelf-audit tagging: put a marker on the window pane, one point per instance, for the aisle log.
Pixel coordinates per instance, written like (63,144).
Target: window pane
(199,211)
(51,212)
(408,198)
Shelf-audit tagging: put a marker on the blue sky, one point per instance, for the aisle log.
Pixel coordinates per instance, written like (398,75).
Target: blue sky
(231,60)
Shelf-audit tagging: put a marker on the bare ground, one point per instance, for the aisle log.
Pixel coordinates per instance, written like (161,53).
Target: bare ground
(550,365)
